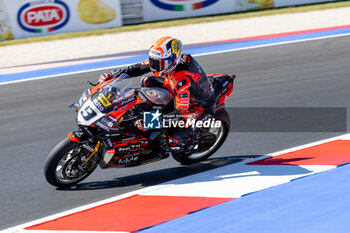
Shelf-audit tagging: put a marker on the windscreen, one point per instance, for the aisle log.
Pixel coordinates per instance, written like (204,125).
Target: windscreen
(113,92)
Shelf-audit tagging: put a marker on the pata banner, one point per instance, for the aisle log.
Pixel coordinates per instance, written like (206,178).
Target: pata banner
(28,18)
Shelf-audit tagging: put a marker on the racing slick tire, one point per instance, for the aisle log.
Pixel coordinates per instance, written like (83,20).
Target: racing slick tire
(186,159)
(54,164)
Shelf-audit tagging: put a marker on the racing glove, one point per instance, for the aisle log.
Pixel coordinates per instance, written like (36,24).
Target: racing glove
(106,76)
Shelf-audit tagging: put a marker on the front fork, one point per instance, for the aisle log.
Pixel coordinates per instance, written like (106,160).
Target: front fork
(81,138)
(96,149)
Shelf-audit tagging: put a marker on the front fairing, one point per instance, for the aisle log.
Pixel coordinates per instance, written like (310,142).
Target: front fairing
(88,113)
(98,108)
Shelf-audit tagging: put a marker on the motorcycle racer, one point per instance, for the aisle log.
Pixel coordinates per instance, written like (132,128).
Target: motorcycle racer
(180,74)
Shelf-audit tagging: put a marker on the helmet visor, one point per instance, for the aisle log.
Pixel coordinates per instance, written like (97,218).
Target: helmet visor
(156,65)
(161,64)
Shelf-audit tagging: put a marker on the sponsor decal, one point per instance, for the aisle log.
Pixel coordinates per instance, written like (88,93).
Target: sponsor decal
(118,99)
(105,121)
(143,143)
(98,105)
(175,46)
(154,53)
(152,93)
(189,74)
(128,160)
(123,149)
(89,148)
(124,102)
(157,107)
(103,100)
(83,99)
(172,5)
(87,130)
(102,126)
(224,91)
(110,151)
(43,16)
(112,118)
(124,108)
(134,147)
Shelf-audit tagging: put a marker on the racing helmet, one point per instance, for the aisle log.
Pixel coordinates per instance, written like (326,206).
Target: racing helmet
(164,55)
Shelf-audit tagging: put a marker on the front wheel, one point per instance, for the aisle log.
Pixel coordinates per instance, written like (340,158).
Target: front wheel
(68,164)
(208,147)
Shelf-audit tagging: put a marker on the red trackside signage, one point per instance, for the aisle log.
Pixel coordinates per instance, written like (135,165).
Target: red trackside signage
(43,16)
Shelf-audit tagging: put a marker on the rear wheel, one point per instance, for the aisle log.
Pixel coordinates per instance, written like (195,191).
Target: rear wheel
(67,164)
(209,143)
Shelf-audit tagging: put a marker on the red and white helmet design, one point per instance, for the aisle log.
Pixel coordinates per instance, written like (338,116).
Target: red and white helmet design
(164,55)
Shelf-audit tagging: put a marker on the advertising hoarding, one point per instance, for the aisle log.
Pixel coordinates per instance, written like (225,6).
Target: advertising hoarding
(5,26)
(30,18)
(171,9)
(282,3)
(248,5)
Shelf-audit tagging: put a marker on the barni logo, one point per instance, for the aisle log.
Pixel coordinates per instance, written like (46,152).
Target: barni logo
(43,16)
(192,4)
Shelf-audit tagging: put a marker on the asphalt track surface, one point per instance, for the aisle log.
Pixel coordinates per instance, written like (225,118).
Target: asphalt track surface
(34,118)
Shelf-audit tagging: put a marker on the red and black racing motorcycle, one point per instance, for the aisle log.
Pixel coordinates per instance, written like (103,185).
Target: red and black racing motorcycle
(107,135)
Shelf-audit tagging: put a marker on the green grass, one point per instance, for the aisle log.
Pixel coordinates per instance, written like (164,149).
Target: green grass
(178,22)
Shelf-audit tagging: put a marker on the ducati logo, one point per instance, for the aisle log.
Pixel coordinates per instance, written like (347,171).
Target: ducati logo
(152,93)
